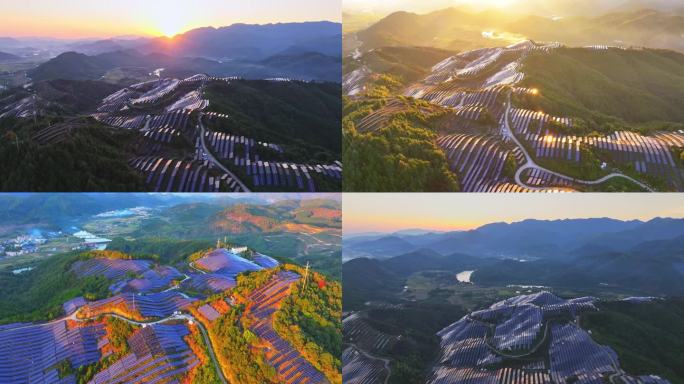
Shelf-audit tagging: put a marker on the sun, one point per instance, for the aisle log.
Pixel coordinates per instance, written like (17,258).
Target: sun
(172,25)
(171,29)
(169,21)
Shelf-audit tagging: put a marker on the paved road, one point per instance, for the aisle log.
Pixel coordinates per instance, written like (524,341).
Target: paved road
(192,265)
(175,317)
(214,160)
(530,164)
(177,286)
(210,347)
(181,316)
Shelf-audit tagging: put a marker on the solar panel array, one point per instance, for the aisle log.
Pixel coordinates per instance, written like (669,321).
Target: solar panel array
(241,152)
(265,261)
(357,331)
(163,174)
(476,159)
(113,269)
(160,304)
(74,304)
(456,83)
(573,353)
(30,353)
(209,312)
(152,280)
(358,368)
(158,355)
(210,282)
(288,362)
(148,279)
(161,89)
(520,330)
(489,345)
(221,261)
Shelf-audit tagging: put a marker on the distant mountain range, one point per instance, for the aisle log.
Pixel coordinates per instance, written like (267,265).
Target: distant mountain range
(591,7)
(306,51)
(234,42)
(644,256)
(8,57)
(529,239)
(252,42)
(461,29)
(54,208)
(21,208)
(559,8)
(78,66)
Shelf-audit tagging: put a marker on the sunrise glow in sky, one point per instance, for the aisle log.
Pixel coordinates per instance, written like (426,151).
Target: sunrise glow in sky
(380,212)
(104,18)
(422,6)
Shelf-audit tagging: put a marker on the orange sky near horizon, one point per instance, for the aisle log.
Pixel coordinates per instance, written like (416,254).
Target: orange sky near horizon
(385,212)
(75,19)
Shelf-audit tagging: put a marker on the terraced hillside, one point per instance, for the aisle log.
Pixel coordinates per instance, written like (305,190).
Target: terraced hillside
(46,347)
(361,362)
(156,325)
(198,134)
(528,339)
(528,117)
(257,336)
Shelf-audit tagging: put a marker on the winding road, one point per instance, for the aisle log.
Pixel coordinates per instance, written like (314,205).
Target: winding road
(192,265)
(530,164)
(175,317)
(214,160)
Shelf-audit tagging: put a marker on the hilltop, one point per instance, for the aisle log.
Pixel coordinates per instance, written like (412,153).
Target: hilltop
(219,319)
(616,87)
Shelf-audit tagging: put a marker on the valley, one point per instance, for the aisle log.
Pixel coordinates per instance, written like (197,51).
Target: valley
(533,301)
(508,114)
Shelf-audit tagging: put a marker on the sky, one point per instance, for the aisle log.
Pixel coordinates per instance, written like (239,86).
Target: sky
(380,212)
(110,18)
(418,6)
(561,7)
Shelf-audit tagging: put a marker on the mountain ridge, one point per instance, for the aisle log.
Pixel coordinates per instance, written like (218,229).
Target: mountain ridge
(524,240)
(462,29)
